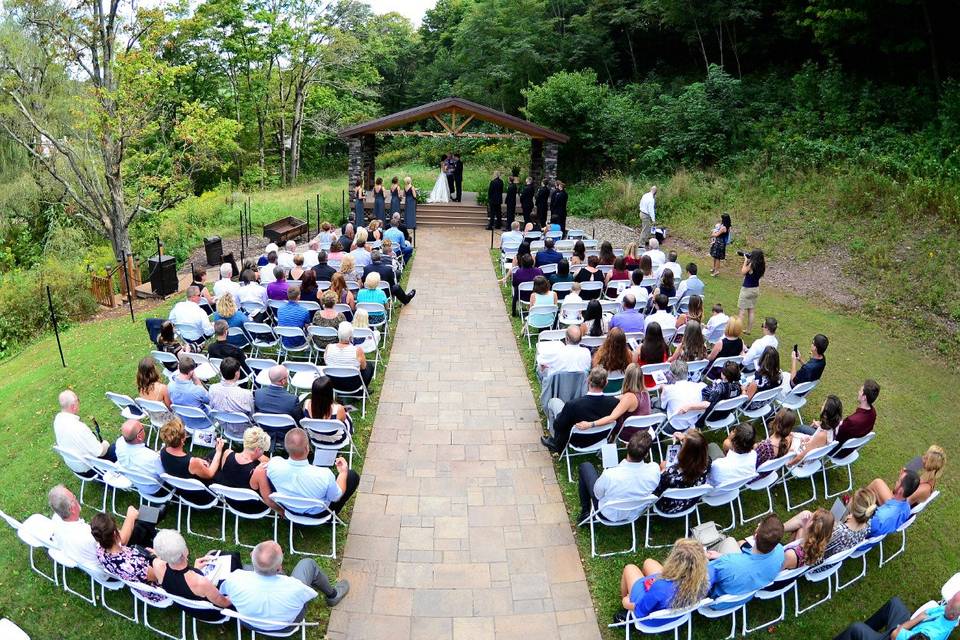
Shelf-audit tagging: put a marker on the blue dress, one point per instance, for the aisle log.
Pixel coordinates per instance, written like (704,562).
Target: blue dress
(395,199)
(378,203)
(358,211)
(410,209)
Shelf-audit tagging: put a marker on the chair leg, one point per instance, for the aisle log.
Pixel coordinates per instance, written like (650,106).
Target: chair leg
(106,605)
(903,545)
(91,599)
(52,578)
(863,572)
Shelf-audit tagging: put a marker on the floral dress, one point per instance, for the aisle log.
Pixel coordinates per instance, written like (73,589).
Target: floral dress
(128,564)
(672,478)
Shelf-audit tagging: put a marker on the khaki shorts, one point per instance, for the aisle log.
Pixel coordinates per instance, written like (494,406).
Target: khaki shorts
(748,297)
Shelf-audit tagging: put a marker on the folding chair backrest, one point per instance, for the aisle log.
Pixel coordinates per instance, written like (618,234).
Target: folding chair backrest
(719,362)
(771,466)
(183,484)
(301,367)
(562,287)
(814,455)
(592,342)
(236,494)
(695,369)
(543,315)
(165,358)
(801,389)
(290,332)
(687,493)
(552,335)
(259,364)
(297,503)
(259,331)
(72,458)
(345,379)
(610,306)
(328,333)
(651,421)
(183,411)
(274,421)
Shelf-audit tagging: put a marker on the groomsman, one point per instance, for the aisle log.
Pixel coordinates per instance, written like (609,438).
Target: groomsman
(526,199)
(458,176)
(543,197)
(512,201)
(495,202)
(558,207)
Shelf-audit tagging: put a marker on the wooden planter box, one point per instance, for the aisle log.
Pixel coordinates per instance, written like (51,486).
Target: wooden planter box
(284,229)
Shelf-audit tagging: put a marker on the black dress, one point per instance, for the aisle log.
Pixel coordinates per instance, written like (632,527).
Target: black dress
(179,467)
(511,203)
(358,209)
(237,475)
(395,199)
(542,199)
(409,209)
(175,582)
(378,203)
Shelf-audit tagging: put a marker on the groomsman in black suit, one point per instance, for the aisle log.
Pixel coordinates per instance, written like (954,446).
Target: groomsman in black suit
(458,177)
(512,201)
(558,207)
(526,200)
(543,197)
(494,202)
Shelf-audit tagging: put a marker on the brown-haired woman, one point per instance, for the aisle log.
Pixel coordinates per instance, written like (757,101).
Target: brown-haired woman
(116,552)
(693,345)
(809,541)
(780,440)
(689,470)
(150,387)
(614,355)
(633,401)
(181,464)
(338,285)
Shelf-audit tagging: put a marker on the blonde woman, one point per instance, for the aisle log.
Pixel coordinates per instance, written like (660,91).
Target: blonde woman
(347,269)
(680,582)
(854,528)
(730,345)
(361,320)
(237,469)
(373,229)
(227,311)
(929,467)
(810,539)
(360,238)
(630,256)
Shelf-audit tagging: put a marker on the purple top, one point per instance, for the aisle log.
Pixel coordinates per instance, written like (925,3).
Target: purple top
(522,275)
(277,290)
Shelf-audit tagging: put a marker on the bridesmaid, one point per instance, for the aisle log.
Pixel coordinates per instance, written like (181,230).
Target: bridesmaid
(378,200)
(358,204)
(394,195)
(410,204)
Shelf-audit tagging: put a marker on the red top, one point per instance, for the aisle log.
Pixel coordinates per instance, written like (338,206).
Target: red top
(857,424)
(648,381)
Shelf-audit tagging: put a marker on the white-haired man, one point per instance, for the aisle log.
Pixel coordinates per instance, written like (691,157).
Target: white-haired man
(657,257)
(554,357)
(285,257)
(226,284)
(310,256)
(648,212)
(75,436)
(266,594)
(191,321)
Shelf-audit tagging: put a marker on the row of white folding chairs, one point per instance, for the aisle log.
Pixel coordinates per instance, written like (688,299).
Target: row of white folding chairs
(34,532)
(264,338)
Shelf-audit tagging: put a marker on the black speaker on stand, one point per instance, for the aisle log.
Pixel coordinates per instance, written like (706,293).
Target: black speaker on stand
(163,275)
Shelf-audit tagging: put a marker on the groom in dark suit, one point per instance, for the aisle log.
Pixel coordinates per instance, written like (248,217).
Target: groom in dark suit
(457,177)
(448,171)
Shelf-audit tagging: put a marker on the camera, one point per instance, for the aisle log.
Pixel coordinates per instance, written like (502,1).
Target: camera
(742,253)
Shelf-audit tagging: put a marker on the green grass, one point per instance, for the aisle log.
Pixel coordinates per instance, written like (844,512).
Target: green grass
(103,356)
(918,405)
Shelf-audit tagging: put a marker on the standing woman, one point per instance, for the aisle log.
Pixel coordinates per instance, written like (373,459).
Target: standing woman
(542,198)
(719,238)
(394,195)
(409,203)
(512,200)
(358,204)
(754,266)
(378,200)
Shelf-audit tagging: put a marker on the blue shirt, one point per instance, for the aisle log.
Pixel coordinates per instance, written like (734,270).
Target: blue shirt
(737,573)
(394,235)
(277,597)
(301,479)
(292,315)
(236,320)
(630,320)
(654,593)
(188,394)
(548,256)
(888,516)
(935,627)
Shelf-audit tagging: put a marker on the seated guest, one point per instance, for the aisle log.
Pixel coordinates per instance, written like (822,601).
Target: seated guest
(646,267)
(681,392)
(667,286)
(736,573)
(779,442)
(592,406)
(635,289)
(200,282)
(222,347)
(225,284)
(168,342)
(296,269)
(694,312)
(266,594)
(187,390)
(286,256)
(308,286)
(180,463)
(767,375)
(717,319)
(227,311)
(680,582)
(250,290)
(76,437)
(595,323)
(731,344)
(388,275)
(607,256)
(860,422)
(526,273)
(657,257)
(344,353)
(391,257)
(661,316)
(630,257)
(614,355)
(562,275)
(327,317)
(133,454)
(894,511)
(692,286)
(690,469)
(740,463)
(237,469)
(336,252)
(192,322)
(928,467)
(752,357)
(119,557)
(268,271)
(693,346)
(654,350)
(631,479)
(629,320)
(810,538)
(632,401)
(725,389)
(513,237)
(548,255)
(569,356)
(568,315)
(150,387)
(311,255)
(893,621)
(293,314)
(228,395)
(265,256)
(396,236)
(619,273)
(321,406)
(854,527)
(73,536)
(274,398)
(295,476)
(590,272)
(820,432)
(361,320)
(323,270)
(360,255)
(371,292)
(542,296)
(338,285)
(672,266)
(172,569)
(277,289)
(813,368)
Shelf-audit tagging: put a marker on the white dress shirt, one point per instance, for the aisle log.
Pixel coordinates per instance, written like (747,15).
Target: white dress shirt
(310,259)
(278,597)
(673,266)
(190,315)
(266,273)
(74,436)
(361,258)
(680,393)
(733,466)
(223,286)
(555,357)
(75,540)
(640,294)
(285,259)
(648,205)
(657,258)
(665,319)
(752,358)
(627,480)
(253,292)
(511,238)
(301,479)
(717,320)
(143,460)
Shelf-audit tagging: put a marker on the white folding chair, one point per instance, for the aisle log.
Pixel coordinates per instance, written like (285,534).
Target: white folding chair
(524,291)
(276,425)
(902,530)
(71,459)
(232,425)
(166,359)
(826,571)
(296,336)
(348,383)
(724,413)
(256,625)
(205,371)
(258,369)
(727,493)
(811,464)
(195,421)
(633,507)
(614,288)
(652,421)
(113,481)
(547,269)
(377,310)
(302,375)
(796,397)
(255,509)
(158,413)
(197,605)
(194,487)
(686,493)
(295,511)
(233,333)
(539,317)
(127,405)
(140,592)
(321,333)
(139,479)
(768,474)
(695,369)
(11,631)
(262,337)
(659,622)
(760,407)
(364,336)
(785,582)
(727,605)
(860,552)
(35,532)
(842,457)
(590,290)
(570,450)
(330,437)
(552,335)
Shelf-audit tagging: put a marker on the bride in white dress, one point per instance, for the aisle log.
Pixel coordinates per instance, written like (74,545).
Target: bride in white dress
(441,190)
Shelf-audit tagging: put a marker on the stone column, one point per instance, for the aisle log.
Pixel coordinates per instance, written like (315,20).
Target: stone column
(536,160)
(353,165)
(550,152)
(368,160)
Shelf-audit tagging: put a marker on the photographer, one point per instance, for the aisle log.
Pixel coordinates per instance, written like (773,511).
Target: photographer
(753,269)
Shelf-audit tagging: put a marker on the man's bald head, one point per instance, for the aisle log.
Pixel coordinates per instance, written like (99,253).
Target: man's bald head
(277,374)
(132,431)
(573,334)
(68,401)
(297,444)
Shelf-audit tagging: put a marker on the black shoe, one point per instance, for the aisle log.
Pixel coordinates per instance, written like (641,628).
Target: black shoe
(342,588)
(410,295)
(620,616)
(549,443)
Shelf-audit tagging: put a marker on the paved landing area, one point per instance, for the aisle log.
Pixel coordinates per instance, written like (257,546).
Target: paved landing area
(459,529)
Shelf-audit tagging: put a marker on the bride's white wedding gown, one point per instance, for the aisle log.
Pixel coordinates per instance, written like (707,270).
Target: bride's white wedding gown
(441,190)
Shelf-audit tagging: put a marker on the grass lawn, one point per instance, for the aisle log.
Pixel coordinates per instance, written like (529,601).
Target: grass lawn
(918,405)
(101,357)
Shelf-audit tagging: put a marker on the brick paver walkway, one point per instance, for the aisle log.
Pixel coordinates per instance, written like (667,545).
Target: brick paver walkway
(459,529)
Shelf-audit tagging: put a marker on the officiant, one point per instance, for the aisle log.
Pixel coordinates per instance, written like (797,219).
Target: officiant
(526,200)
(542,199)
(558,207)
(494,202)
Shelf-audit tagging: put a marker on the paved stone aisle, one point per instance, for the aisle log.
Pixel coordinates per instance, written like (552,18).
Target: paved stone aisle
(459,528)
